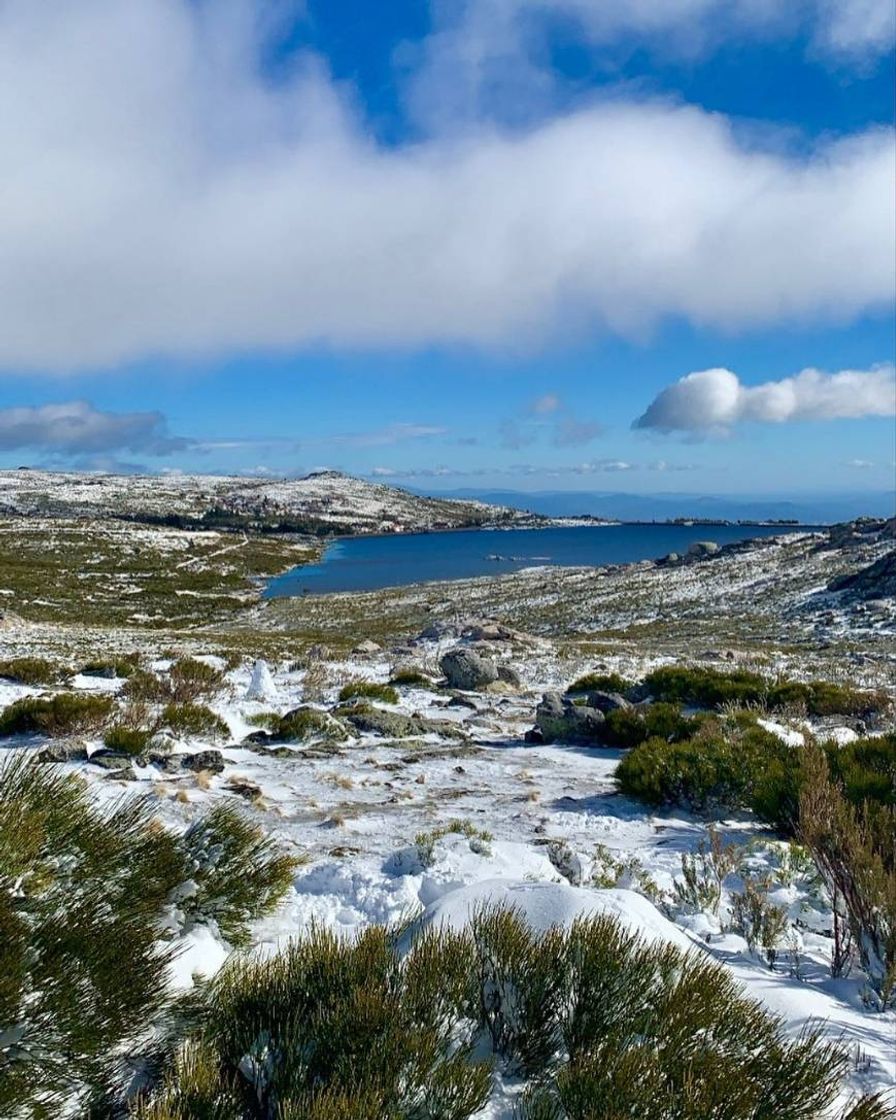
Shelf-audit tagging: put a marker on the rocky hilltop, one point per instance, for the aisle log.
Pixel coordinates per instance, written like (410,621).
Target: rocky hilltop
(321,503)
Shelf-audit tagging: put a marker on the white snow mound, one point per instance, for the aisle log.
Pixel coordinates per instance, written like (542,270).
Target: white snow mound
(261,686)
(545,905)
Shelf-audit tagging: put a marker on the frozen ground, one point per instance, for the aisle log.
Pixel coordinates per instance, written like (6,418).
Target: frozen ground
(532,816)
(396,827)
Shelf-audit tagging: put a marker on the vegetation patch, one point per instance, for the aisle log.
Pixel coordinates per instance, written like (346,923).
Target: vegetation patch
(131,740)
(628,727)
(66,713)
(600,682)
(123,666)
(308,723)
(193,721)
(30,670)
(368,690)
(410,678)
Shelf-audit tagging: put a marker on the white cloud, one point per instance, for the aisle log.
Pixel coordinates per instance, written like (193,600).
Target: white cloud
(860,464)
(715,399)
(391,434)
(569,432)
(77,428)
(160,198)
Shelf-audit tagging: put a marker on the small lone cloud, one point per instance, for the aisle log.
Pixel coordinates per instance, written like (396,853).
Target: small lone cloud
(715,400)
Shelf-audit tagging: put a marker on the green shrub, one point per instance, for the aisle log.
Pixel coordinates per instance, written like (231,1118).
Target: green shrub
(705,688)
(124,666)
(193,720)
(30,670)
(66,713)
(131,740)
(238,873)
(409,678)
(86,901)
(191,680)
(627,727)
(866,769)
(368,690)
(722,766)
(822,698)
(600,682)
(144,687)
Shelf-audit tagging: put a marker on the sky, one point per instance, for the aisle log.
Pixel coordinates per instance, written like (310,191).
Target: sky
(528,244)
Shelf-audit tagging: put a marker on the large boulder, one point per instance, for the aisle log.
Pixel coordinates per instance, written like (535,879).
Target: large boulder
(699,550)
(466,670)
(561,721)
(606,702)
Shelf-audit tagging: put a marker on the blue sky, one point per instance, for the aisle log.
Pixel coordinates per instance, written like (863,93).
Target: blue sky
(469,245)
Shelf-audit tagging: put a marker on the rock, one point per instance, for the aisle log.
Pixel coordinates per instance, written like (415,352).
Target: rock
(394,725)
(509,675)
(63,752)
(560,720)
(203,760)
(162,743)
(439,631)
(261,686)
(367,646)
(699,550)
(114,760)
(163,761)
(257,737)
(466,670)
(459,700)
(606,701)
(242,787)
(534,736)
(876,581)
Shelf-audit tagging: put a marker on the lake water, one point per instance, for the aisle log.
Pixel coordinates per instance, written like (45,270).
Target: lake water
(370,563)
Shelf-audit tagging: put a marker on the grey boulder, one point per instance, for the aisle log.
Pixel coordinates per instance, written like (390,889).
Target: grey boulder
(466,670)
(561,721)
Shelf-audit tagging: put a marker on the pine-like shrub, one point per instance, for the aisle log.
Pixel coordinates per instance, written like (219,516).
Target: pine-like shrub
(131,740)
(368,690)
(628,727)
(66,713)
(86,903)
(236,873)
(193,680)
(193,721)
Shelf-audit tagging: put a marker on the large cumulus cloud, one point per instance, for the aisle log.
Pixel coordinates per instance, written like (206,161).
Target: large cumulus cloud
(160,197)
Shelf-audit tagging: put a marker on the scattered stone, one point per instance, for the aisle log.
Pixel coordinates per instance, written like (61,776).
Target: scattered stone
(606,702)
(560,720)
(367,646)
(242,787)
(509,675)
(459,700)
(203,760)
(466,670)
(534,736)
(112,760)
(63,752)
(699,550)
(874,582)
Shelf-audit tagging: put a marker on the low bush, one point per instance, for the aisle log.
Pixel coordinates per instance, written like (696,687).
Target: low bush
(627,727)
(600,1023)
(131,740)
(123,666)
(368,690)
(408,678)
(193,680)
(87,896)
(238,873)
(600,682)
(66,713)
(712,688)
(30,670)
(724,766)
(193,720)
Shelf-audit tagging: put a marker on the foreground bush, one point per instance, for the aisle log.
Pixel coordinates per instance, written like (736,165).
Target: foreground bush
(86,903)
(628,727)
(853,849)
(67,713)
(186,681)
(603,1026)
(600,682)
(732,763)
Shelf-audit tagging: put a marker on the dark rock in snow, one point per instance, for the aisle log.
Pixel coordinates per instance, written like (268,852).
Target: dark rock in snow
(466,670)
(203,760)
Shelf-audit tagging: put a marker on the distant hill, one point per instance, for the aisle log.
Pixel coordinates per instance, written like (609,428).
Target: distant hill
(808,509)
(322,503)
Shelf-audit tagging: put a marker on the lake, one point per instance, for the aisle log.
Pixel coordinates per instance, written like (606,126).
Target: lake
(370,563)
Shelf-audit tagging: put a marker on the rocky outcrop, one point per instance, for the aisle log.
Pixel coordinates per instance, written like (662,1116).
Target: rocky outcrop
(874,581)
(466,670)
(560,720)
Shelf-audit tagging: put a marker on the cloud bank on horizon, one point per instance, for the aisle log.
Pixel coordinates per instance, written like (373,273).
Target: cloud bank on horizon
(714,400)
(163,197)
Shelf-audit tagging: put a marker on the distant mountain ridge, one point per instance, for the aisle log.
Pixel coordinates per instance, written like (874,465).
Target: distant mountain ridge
(807,509)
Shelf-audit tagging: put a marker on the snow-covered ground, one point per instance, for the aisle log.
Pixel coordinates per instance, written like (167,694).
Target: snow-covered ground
(543,828)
